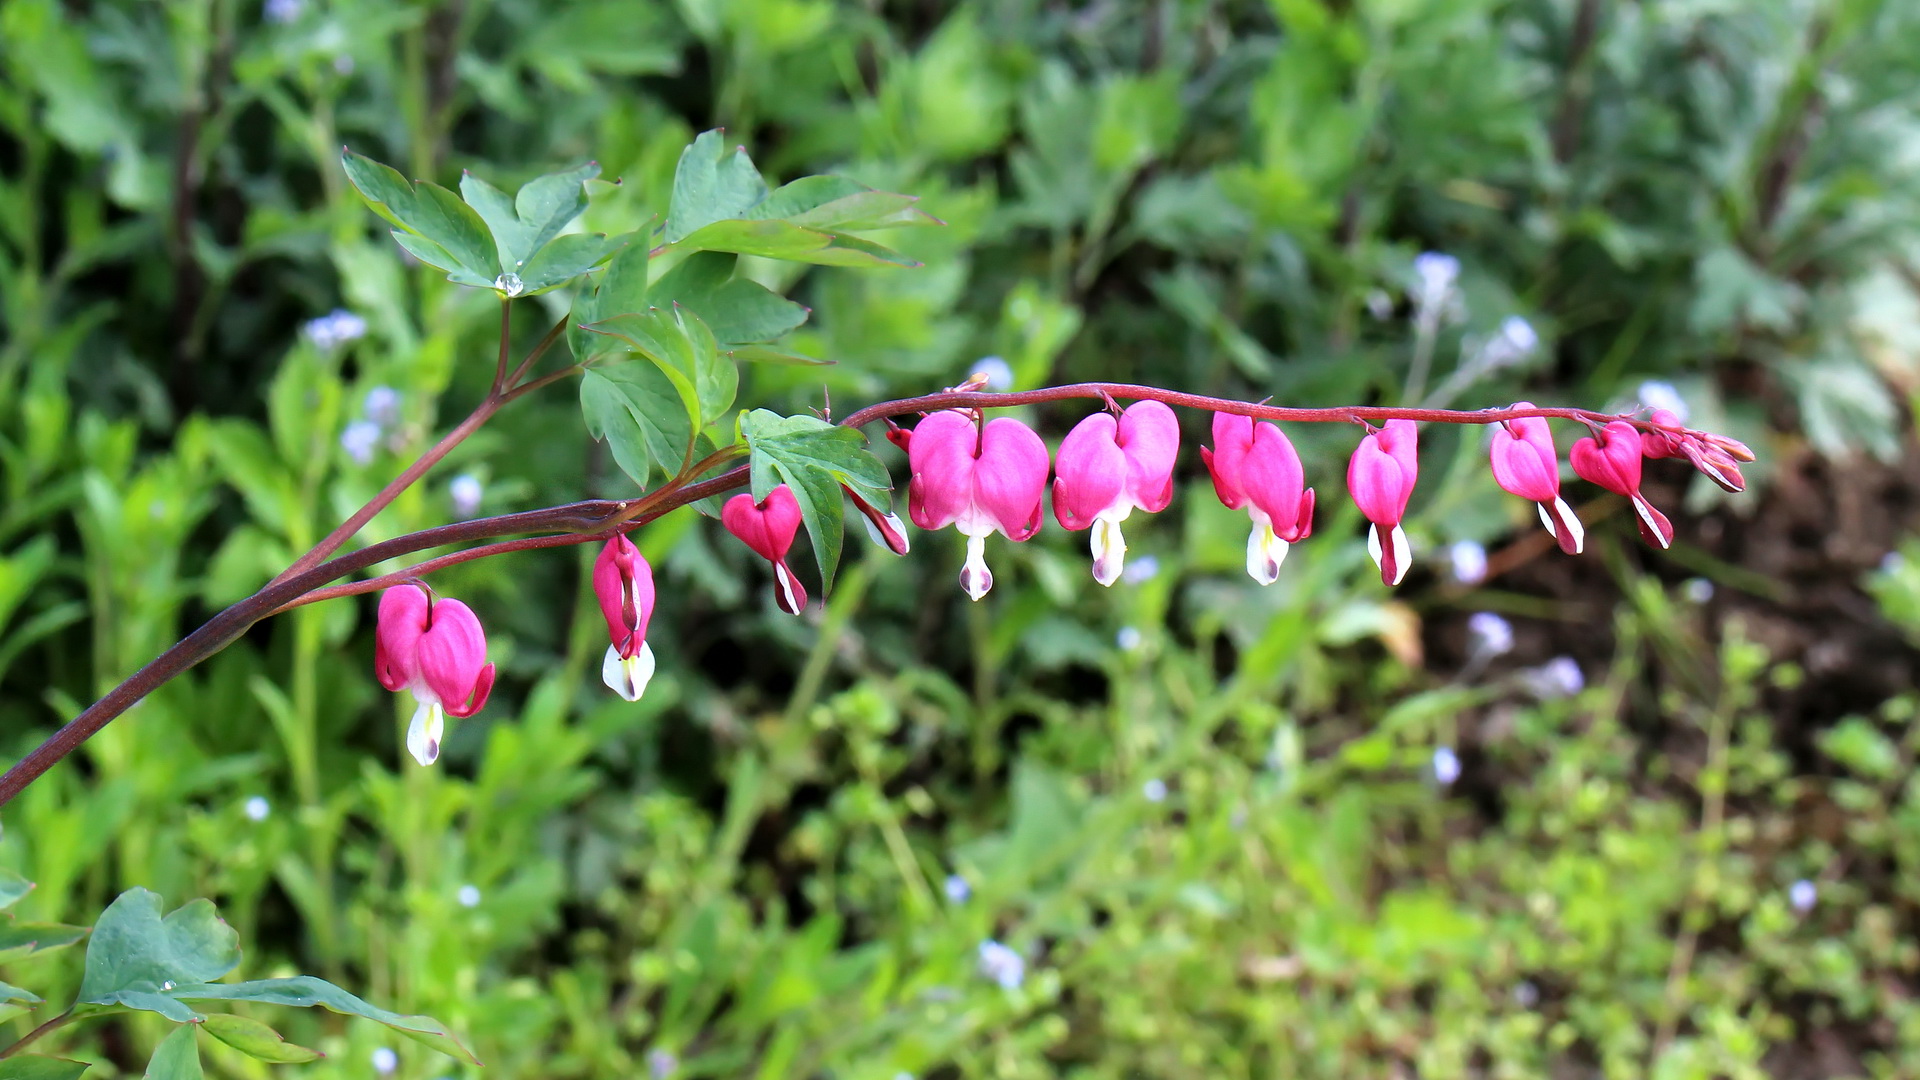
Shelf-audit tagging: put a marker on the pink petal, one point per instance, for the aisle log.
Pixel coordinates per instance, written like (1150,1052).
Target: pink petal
(1524,460)
(453,658)
(1091,471)
(940,458)
(623,583)
(1232,436)
(1612,460)
(1011,476)
(1150,437)
(1382,472)
(1274,481)
(767,527)
(396,637)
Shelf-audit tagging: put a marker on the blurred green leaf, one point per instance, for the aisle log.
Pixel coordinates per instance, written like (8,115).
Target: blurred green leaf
(40,1067)
(12,888)
(305,991)
(135,955)
(257,1040)
(785,240)
(21,940)
(813,458)
(176,1058)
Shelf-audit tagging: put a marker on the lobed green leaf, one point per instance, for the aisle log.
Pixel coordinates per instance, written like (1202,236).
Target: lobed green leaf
(41,1067)
(176,1058)
(813,458)
(135,954)
(21,940)
(711,184)
(12,888)
(635,408)
(305,991)
(738,310)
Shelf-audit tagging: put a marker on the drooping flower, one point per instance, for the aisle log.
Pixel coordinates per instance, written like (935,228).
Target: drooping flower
(1612,460)
(1526,464)
(883,526)
(436,650)
(768,527)
(1381,475)
(979,479)
(623,582)
(1255,467)
(1107,469)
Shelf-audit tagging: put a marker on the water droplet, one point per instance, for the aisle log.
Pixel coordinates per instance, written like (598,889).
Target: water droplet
(168,985)
(510,284)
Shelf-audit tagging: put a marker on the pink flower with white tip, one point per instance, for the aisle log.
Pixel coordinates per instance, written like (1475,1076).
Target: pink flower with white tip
(623,582)
(435,650)
(1611,458)
(1255,466)
(1526,464)
(1381,475)
(1107,469)
(768,527)
(981,479)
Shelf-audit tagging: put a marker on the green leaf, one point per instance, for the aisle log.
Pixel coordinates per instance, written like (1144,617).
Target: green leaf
(681,345)
(549,203)
(767,354)
(839,204)
(255,1039)
(495,207)
(711,184)
(10,994)
(813,458)
(135,955)
(12,888)
(622,291)
(456,238)
(635,408)
(19,940)
(40,1067)
(564,259)
(305,991)
(737,310)
(176,1058)
(785,240)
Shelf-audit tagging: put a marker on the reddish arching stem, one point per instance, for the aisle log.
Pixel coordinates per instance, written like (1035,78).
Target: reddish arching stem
(307,580)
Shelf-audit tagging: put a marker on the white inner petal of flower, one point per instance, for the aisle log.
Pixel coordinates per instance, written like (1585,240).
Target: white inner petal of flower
(790,601)
(1265,552)
(628,676)
(1109,549)
(975,578)
(423,733)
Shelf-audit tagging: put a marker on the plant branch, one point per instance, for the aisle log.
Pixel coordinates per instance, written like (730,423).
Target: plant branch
(500,366)
(308,579)
(30,1037)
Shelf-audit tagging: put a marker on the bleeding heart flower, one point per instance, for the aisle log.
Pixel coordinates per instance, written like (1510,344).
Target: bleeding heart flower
(623,582)
(979,479)
(1255,466)
(768,527)
(1107,469)
(1612,460)
(1656,444)
(883,526)
(436,651)
(1381,476)
(1526,464)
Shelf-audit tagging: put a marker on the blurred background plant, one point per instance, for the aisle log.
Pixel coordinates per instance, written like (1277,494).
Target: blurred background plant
(1646,813)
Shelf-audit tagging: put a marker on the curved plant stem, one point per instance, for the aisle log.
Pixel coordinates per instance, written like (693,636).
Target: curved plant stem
(309,578)
(30,1037)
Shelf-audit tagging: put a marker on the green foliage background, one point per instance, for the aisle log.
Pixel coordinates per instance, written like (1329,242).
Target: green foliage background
(745,874)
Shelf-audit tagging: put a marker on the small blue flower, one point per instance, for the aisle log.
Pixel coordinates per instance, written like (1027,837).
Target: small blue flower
(465,492)
(999,374)
(360,439)
(1436,272)
(1802,895)
(1525,994)
(1488,635)
(1892,562)
(469,896)
(257,808)
(336,328)
(382,405)
(385,1060)
(1128,639)
(1446,766)
(957,889)
(1002,965)
(1468,561)
(1655,394)
(1155,790)
(661,1064)
(1515,342)
(282,11)
(1139,570)
(1559,677)
(1697,590)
